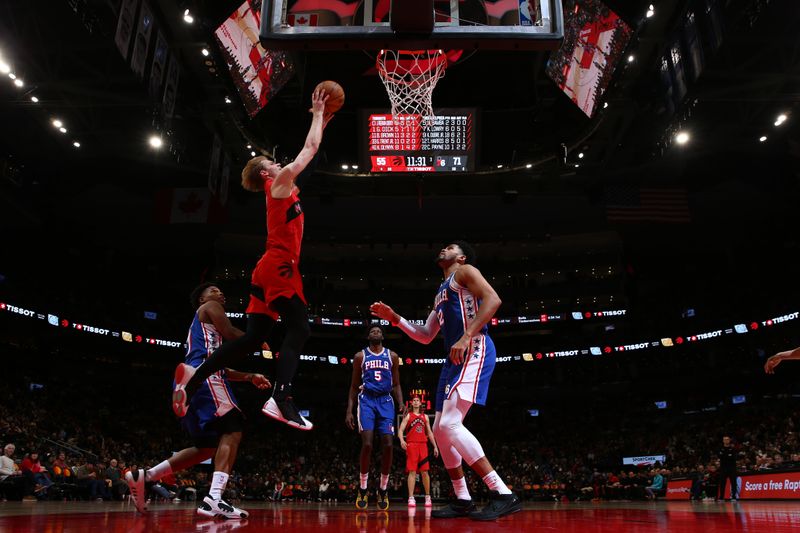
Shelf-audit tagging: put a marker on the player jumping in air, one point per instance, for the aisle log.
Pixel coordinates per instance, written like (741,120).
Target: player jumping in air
(276,285)
(463,306)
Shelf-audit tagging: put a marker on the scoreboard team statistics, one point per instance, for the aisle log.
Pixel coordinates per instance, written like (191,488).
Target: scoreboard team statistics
(407,143)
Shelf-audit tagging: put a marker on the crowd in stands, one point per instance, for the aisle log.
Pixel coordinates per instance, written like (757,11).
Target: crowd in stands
(71,439)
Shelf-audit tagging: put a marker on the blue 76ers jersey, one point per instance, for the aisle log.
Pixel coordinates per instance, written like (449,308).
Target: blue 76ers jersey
(202,341)
(376,372)
(456,308)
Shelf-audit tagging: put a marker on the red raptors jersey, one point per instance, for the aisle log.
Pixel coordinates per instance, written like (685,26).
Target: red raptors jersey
(416,428)
(284,223)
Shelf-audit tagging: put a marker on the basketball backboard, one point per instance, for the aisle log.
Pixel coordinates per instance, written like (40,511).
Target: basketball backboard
(366,24)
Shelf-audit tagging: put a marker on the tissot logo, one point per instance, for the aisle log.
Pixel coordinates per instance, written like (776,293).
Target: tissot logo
(17,310)
(709,335)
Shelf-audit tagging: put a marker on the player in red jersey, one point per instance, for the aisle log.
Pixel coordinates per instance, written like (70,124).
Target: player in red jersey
(276,285)
(416,447)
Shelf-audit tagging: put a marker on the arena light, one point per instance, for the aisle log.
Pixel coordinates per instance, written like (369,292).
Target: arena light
(580,155)
(57,123)
(76,144)
(499,166)
(34,100)
(18,82)
(345,167)
(650,11)
(253,154)
(155,141)
(605,105)
(682,137)
(227,100)
(355,167)
(4,67)
(62,129)
(12,75)
(529,165)
(631,58)
(187,17)
(781,119)
(205,52)
(762,138)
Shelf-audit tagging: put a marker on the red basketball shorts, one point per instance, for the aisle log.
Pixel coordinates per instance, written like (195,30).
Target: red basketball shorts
(417,457)
(276,275)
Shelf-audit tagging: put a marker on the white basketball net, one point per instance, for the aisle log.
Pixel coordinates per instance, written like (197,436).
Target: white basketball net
(410,76)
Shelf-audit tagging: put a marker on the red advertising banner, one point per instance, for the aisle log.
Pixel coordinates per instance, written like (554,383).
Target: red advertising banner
(679,489)
(782,485)
(769,486)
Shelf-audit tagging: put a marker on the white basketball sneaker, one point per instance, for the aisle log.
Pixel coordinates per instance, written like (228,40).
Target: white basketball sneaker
(286,412)
(135,480)
(428,502)
(412,502)
(220,508)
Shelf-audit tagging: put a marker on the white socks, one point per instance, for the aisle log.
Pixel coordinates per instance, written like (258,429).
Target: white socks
(162,469)
(362,478)
(494,482)
(384,481)
(460,488)
(218,484)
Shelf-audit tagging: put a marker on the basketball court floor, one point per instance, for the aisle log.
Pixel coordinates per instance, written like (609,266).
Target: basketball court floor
(115,517)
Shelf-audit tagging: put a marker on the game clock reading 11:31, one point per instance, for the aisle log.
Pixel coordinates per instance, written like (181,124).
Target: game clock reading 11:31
(407,143)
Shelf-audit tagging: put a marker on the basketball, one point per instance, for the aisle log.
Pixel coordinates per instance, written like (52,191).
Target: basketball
(335,95)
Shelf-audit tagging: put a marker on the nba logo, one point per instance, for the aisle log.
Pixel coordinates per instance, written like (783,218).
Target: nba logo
(527,13)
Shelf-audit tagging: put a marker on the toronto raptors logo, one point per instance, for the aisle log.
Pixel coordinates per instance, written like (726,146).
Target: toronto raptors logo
(294,211)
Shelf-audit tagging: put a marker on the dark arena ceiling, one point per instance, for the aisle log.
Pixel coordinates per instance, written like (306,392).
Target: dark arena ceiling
(529,205)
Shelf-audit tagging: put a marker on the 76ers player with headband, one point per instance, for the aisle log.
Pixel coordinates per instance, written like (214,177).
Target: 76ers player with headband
(276,286)
(416,446)
(463,306)
(376,382)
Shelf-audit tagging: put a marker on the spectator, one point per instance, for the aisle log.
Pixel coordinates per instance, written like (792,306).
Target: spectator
(11,480)
(118,486)
(37,480)
(656,487)
(86,476)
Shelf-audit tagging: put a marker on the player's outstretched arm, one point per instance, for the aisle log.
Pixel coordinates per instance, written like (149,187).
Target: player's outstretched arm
(355,384)
(776,359)
(258,380)
(282,186)
(424,334)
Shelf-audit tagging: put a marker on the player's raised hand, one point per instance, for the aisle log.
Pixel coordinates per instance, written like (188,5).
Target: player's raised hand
(318,100)
(458,349)
(383,311)
(772,362)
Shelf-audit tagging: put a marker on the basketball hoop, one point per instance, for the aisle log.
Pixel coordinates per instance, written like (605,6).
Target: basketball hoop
(410,76)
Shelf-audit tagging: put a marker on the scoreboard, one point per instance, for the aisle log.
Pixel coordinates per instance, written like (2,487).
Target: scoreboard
(407,143)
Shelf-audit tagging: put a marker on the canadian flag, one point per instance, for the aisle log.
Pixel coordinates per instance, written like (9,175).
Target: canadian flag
(188,206)
(302,19)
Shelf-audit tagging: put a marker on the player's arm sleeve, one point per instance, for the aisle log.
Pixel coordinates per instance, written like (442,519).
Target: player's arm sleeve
(424,334)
